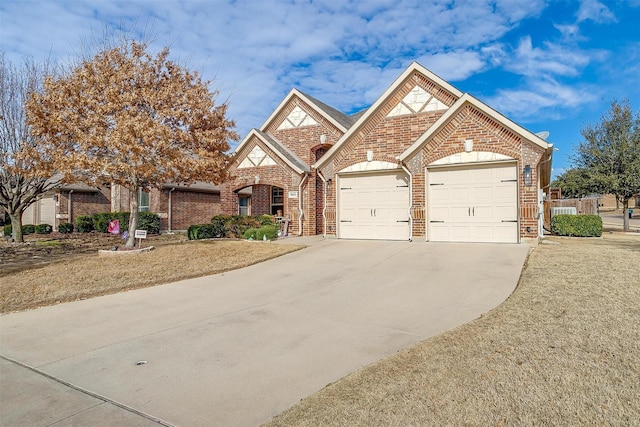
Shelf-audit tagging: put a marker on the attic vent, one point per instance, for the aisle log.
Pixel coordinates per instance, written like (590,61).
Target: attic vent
(564,210)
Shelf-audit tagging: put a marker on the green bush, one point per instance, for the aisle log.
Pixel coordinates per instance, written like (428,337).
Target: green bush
(200,231)
(65,227)
(28,229)
(148,221)
(250,233)
(577,225)
(123,220)
(43,229)
(219,223)
(235,226)
(7,229)
(268,231)
(192,231)
(267,219)
(101,221)
(84,223)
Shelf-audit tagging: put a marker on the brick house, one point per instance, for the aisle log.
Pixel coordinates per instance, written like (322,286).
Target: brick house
(178,206)
(425,162)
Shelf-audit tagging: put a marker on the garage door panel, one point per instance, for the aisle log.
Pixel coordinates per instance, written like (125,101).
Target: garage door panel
(473,204)
(376,206)
(459,194)
(439,193)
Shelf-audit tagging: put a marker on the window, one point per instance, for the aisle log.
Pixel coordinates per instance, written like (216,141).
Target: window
(143,201)
(277,200)
(244,207)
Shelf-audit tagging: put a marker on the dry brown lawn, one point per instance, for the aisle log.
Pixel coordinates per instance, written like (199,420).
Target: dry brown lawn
(564,349)
(86,276)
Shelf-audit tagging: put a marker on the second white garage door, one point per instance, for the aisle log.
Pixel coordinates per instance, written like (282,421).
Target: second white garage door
(473,204)
(374,206)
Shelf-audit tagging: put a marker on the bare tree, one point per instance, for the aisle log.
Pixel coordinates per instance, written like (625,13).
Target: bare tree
(18,189)
(132,119)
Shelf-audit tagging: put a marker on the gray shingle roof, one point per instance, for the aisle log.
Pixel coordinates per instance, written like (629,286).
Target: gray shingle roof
(343,119)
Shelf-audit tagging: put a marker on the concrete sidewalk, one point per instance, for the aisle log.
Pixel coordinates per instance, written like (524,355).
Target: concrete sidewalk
(240,347)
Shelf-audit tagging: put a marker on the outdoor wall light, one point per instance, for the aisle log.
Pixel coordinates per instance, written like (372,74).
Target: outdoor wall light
(369,156)
(323,139)
(468,145)
(528,176)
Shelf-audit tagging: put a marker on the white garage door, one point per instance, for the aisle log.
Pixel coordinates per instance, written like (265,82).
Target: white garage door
(374,206)
(473,204)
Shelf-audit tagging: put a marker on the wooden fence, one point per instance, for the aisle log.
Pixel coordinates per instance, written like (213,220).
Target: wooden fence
(587,206)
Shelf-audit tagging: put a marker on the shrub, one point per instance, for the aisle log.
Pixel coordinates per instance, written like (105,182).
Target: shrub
(7,229)
(84,223)
(65,227)
(577,225)
(44,229)
(123,219)
(201,231)
(267,219)
(250,233)
(268,231)
(28,229)
(101,221)
(219,223)
(192,231)
(237,225)
(148,221)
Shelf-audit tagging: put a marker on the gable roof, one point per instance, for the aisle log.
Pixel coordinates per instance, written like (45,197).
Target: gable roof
(340,117)
(362,117)
(467,99)
(335,117)
(288,156)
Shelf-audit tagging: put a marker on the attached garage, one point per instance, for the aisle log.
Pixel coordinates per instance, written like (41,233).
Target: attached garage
(374,206)
(476,203)
(42,211)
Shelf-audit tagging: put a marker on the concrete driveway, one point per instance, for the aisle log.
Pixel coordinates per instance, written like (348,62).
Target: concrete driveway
(240,347)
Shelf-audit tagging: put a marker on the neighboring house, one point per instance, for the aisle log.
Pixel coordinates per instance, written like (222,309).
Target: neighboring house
(62,204)
(178,206)
(425,162)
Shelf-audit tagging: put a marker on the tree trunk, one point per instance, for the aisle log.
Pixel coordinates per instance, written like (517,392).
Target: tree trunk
(16,227)
(133,217)
(625,214)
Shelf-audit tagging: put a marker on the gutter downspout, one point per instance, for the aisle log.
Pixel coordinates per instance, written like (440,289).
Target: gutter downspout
(404,168)
(304,179)
(69,207)
(170,215)
(324,205)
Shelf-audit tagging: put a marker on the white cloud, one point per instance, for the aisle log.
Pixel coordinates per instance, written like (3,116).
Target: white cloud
(454,66)
(543,98)
(552,59)
(345,53)
(595,11)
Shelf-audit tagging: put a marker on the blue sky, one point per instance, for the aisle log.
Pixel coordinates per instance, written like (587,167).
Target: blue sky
(548,65)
